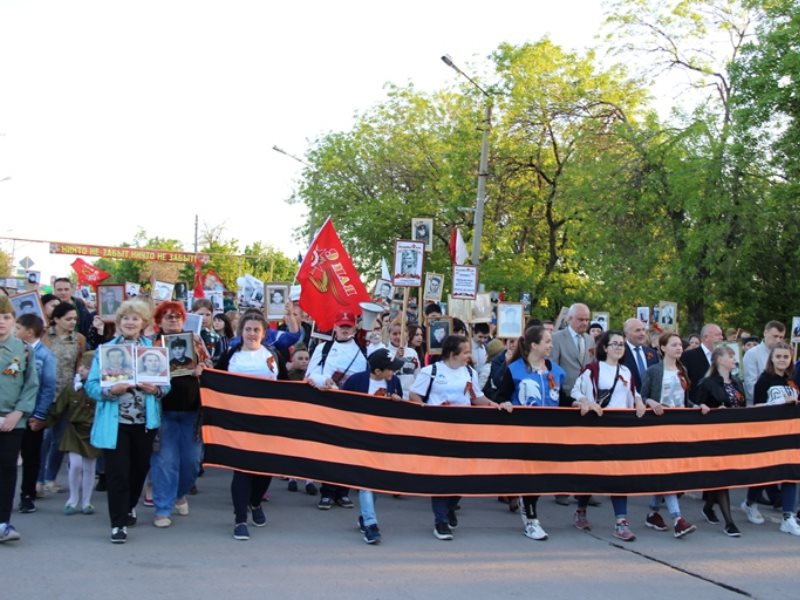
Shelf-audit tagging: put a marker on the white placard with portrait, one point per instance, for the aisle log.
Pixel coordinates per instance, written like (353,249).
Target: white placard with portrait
(408,259)
(465,282)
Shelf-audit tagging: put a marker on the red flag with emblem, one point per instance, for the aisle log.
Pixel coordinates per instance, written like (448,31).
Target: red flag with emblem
(198,281)
(88,274)
(329,283)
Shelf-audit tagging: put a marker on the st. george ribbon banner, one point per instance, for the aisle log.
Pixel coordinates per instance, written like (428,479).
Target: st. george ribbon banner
(367,442)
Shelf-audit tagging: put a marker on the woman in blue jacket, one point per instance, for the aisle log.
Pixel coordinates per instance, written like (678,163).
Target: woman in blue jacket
(125,422)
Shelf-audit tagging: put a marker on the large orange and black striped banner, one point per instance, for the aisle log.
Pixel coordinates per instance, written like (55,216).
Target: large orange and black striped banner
(366,442)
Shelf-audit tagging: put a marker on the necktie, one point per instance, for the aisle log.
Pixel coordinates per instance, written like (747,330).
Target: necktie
(639,360)
(579,340)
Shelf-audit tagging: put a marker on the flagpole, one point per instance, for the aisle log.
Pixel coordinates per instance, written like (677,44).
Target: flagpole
(406,292)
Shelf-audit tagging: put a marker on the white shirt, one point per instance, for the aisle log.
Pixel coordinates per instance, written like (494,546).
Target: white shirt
(449,386)
(408,372)
(671,390)
(375,385)
(255,363)
(344,357)
(623,393)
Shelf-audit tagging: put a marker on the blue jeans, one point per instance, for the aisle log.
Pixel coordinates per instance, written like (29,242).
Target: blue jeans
(671,500)
(442,505)
(51,456)
(366,502)
(174,467)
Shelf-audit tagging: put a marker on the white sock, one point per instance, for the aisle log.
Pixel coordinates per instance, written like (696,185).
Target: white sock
(75,472)
(88,480)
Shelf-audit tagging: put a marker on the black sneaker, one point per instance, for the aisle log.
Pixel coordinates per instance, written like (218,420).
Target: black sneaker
(361,526)
(119,535)
(26,505)
(710,515)
(193,490)
(325,503)
(452,519)
(101,483)
(311,489)
(344,502)
(442,531)
(131,518)
(292,485)
(732,530)
(372,534)
(259,518)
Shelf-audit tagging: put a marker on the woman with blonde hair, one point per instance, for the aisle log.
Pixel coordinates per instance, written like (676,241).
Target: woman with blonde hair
(125,423)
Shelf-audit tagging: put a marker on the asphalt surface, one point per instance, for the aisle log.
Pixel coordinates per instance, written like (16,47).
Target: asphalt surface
(307,553)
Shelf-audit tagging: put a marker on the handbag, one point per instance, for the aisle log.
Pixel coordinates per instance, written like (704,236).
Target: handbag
(604,395)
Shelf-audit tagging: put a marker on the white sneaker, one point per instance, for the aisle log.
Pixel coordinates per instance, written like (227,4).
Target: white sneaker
(182,509)
(789,525)
(533,530)
(753,514)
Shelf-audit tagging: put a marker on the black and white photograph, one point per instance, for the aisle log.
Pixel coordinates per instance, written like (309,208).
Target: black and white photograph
(561,319)
(276,294)
(601,318)
(162,291)
(643,314)
(465,282)
(109,298)
(117,365)
(795,337)
(422,231)
(482,308)
(28,303)
(217,298)
(384,291)
(510,319)
(181,291)
(408,259)
(525,300)
(438,330)
(33,278)
(458,308)
(251,291)
(152,365)
(193,323)
(132,289)
(182,360)
(434,285)
(668,315)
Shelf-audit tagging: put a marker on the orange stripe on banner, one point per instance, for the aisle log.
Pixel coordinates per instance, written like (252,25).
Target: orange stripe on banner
(449,466)
(594,434)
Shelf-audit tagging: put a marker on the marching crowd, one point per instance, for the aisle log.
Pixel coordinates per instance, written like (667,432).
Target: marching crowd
(128,439)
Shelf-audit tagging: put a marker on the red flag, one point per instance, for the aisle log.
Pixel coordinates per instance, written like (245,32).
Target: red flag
(198,281)
(329,283)
(88,273)
(458,250)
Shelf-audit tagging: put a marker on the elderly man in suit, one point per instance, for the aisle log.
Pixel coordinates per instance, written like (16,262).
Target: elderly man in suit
(573,347)
(638,355)
(698,359)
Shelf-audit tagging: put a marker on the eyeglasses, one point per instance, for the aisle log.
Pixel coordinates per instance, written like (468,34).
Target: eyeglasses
(616,345)
(172,317)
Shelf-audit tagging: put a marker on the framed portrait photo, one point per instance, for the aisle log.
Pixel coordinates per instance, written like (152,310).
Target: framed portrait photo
(109,298)
(434,285)
(465,282)
(182,359)
(28,303)
(408,259)
(458,308)
(117,365)
(482,308)
(668,315)
(510,319)
(602,319)
(643,314)
(152,365)
(217,298)
(276,295)
(193,323)
(162,291)
(383,292)
(422,231)
(561,319)
(795,333)
(438,330)
(132,290)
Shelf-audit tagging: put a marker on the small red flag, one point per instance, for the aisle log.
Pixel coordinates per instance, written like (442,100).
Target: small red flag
(88,274)
(458,249)
(329,283)
(198,281)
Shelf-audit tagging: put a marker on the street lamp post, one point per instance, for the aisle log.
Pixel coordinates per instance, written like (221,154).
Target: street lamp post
(483,169)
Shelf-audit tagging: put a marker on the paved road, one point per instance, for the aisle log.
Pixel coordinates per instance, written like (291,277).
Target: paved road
(307,553)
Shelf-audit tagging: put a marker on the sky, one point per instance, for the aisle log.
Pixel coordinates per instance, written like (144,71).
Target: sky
(118,116)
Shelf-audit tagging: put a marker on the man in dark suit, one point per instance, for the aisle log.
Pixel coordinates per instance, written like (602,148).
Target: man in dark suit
(698,360)
(638,355)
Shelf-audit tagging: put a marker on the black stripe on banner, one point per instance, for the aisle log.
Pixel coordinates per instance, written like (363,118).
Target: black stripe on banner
(499,485)
(247,387)
(401,444)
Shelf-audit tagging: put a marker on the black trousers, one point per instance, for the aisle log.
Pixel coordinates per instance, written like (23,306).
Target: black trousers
(247,490)
(126,469)
(10,443)
(31,459)
(334,492)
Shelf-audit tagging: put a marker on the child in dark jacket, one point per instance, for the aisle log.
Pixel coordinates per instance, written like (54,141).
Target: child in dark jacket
(379,380)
